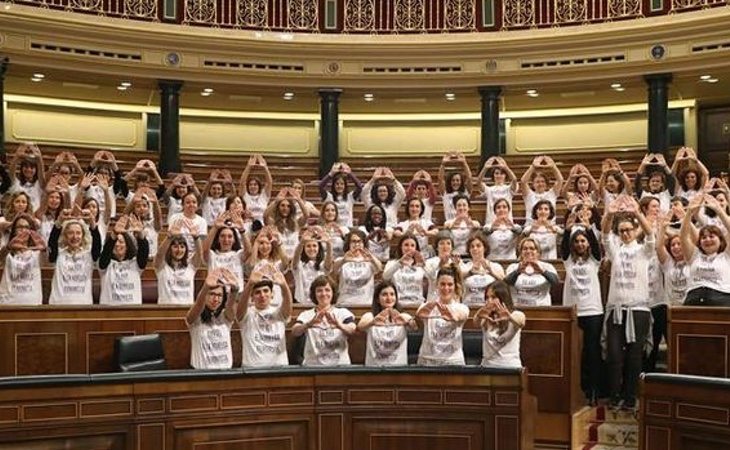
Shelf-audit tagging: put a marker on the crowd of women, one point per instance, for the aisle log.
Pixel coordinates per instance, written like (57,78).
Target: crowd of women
(662,238)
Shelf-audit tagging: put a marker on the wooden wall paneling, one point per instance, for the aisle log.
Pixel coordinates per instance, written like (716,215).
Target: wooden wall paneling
(689,414)
(699,341)
(98,338)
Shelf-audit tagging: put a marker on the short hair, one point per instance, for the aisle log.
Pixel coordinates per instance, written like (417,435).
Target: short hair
(478,236)
(450,177)
(444,235)
(646,200)
(501,200)
(262,283)
(453,271)
(526,239)
(714,230)
(207,315)
(374,194)
(322,280)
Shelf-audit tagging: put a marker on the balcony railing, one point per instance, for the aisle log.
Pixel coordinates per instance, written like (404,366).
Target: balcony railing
(378,16)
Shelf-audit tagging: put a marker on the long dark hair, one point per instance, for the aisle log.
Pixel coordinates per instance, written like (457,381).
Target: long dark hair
(317,259)
(335,195)
(168,256)
(450,177)
(131,247)
(501,290)
(376,307)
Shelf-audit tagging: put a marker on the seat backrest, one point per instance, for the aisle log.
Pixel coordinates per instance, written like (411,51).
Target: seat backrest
(138,353)
(472,345)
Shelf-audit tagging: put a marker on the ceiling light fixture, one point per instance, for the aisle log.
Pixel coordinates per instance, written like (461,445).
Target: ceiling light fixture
(368,97)
(208,90)
(616,86)
(288,96)
(450,96)
(705,77)
(122,88)
(127,84)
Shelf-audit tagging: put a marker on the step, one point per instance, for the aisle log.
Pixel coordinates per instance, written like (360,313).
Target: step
(626,434)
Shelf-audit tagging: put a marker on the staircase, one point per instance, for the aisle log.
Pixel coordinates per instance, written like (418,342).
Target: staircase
(600,428)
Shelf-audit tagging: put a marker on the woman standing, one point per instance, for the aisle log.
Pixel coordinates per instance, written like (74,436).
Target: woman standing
(175,270)
(581,254)
(122,261)
(454,179)
(339,178)
(628,315)
(21,264)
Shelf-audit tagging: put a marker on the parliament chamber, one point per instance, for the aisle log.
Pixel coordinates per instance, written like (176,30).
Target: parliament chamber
(196,86)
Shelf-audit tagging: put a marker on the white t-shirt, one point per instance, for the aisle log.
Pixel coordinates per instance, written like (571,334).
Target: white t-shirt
(210,343)
(121,283)
(212,208)
(276,295)
(581,287)
(447,201)
(533,197)
(676,280)
(356,283)
(475,284)
(71,283)
(710,271)
(232,260)
(493,194)
(461,233)
(379,249)
(337,240)
(21,279)
(657,296)
(174,207)
(289,241)
(176,286)
(442,344)
(304,274)
(326,345)
(629,271)
(502,244)
(503,350)
(531,289)
(387,345)
(256,205)
(422,239)
(344,208)
(97,193)
(546,239)
(199,223)
(263,337)
(408,282)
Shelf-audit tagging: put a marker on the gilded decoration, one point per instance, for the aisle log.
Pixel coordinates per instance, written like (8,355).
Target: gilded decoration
(303,14)
(359,15)
(459,15)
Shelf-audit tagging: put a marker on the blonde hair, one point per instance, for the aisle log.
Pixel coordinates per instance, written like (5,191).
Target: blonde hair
(85,240)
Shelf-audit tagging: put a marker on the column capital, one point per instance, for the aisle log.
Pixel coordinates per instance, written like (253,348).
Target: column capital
(170,86)
(658,78)
(490,91)
(330,94)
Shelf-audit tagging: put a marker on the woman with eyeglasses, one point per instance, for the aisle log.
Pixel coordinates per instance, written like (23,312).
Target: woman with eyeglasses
(356,271)
(628,314)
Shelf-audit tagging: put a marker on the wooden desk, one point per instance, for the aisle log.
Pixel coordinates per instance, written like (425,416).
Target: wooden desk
(64,340)
(341,409)
(680,412)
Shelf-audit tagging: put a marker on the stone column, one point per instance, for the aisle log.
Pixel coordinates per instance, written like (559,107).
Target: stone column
(490,121)
(329,132)
(658,101)
(169,126)
(4,62)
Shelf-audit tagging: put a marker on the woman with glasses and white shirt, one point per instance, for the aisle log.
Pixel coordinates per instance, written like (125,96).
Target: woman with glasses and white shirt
(628,316)
(356,271)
